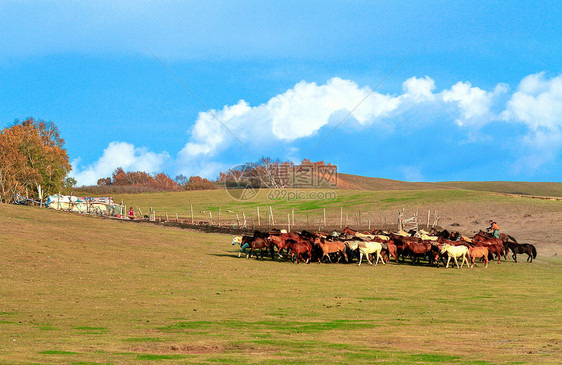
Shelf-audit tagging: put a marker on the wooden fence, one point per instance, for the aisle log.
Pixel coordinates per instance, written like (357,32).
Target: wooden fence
(266,218)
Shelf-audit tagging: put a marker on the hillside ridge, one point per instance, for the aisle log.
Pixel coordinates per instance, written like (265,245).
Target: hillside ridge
(357,182)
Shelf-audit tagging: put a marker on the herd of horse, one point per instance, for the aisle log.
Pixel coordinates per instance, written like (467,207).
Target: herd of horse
(380,246)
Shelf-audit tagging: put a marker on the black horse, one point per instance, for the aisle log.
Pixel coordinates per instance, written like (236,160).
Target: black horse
(444,234)
(527,248)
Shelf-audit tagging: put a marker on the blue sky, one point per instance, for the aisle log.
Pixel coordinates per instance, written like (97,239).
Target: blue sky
(479,96)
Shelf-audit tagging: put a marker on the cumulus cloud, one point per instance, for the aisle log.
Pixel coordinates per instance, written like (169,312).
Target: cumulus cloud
(304,110)
(419,89)
(474,103)
(119,154)
(537,104)
(297,113)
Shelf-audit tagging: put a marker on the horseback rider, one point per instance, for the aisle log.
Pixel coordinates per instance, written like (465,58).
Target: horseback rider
(494,229)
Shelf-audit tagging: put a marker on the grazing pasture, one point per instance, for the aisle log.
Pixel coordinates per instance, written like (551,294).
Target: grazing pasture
(78,289)
(530,220)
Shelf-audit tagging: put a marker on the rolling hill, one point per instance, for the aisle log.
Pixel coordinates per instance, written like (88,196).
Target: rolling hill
(356,182)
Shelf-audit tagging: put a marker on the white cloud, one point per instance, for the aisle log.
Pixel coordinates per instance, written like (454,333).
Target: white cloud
(473,103)
(297,113)
(274,128)
(419,89)
(537,103)
(119,154)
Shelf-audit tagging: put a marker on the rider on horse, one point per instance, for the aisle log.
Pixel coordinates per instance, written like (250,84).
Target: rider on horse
(494,229)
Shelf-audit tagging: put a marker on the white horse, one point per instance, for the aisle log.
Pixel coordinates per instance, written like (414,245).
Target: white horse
(369,247)
(364,236)
(455,252)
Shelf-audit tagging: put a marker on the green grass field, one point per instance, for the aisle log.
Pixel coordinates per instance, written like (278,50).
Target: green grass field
(374,203)
(84,290)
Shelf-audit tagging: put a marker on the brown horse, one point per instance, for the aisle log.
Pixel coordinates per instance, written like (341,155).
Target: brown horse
(279,242)
(505,239)
(298,248)
(257,243)
(494,245)
(329,247)
(476,253)
(417,249)
(409,246)
(400,243)
(348,230)
(390,250)
(459,242)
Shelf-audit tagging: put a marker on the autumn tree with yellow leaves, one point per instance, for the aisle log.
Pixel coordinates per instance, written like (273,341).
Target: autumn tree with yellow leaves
(32,154)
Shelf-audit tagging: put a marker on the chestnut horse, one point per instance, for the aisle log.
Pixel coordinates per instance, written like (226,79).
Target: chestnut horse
(390,250)
(410,246)
(494,245)
(362,235)
(329,247)
(505,239)
(279,242)
(298,248)
(257,243)
(477,253)
(348,230)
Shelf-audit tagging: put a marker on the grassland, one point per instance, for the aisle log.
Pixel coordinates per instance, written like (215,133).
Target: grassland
(84,290)
(351,201)
(510,187)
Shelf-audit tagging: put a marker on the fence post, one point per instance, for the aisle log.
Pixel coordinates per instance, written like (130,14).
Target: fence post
(271,213)
(244,215)
(191,213)
(219,216)
(288,223)
(258,208)
(324,217)
(293,217)
(341,218)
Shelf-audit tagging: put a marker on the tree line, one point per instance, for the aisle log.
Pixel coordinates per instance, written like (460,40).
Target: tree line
(265,173)
(122,181)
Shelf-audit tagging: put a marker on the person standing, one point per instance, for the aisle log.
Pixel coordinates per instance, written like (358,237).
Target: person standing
(131,214)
